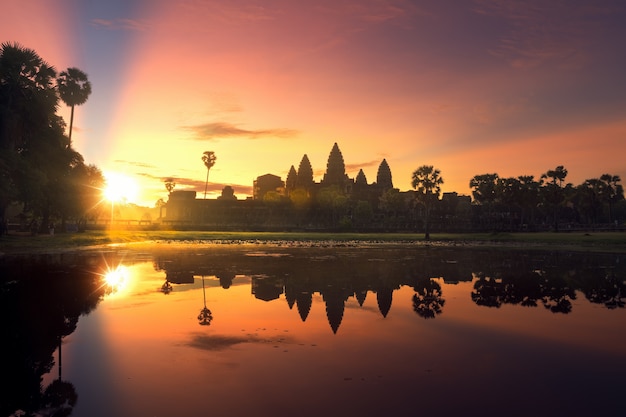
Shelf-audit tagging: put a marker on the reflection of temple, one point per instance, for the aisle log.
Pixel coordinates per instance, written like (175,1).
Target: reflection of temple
(334,296)
(499,278)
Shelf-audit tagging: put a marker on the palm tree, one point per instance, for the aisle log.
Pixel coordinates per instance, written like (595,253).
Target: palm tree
(74,89)
(170,183)
(554,193)
(208,157)
(427,181)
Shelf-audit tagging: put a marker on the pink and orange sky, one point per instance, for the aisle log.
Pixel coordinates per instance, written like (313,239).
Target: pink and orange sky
(486,86)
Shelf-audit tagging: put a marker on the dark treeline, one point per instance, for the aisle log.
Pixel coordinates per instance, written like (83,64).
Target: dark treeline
(521,203)
(525,203)
(39,169)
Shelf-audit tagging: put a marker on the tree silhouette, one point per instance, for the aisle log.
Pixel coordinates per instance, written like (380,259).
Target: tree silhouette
(554,194)
(208,157)
(427,181)
(74,90)
(428,301)
(613,191)
(37,167)
(485,191)
(169,184)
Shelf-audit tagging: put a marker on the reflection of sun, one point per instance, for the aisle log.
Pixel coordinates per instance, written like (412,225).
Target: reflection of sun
(117,278)
(120,188)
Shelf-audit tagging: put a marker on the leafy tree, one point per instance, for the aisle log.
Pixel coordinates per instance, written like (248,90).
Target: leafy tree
(485,190)
(528,195)
(74,89)
(208,158)
(38,167)
(363,212)
(428,299)
(508,192)
(27,105)
(332,202)
(392,202)
(427,181)
(588,199)
(613,192)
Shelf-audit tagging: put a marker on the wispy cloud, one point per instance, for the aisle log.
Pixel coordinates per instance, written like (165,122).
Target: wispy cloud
(119,24)
(541,31)
(361,165)
(133,163)
(210,131)
(221,342)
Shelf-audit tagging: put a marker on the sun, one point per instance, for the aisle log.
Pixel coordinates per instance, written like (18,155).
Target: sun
(120,188)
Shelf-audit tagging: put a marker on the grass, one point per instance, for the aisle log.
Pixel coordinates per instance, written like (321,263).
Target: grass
(599,241)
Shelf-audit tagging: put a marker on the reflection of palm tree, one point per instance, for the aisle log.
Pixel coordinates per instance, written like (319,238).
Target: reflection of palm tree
(205,317)
(60,396)
(166,288)
(427,300)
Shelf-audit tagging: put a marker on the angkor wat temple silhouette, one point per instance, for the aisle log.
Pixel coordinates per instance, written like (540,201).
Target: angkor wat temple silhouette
(299,202)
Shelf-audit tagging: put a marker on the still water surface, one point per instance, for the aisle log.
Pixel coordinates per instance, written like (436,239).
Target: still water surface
(273,330)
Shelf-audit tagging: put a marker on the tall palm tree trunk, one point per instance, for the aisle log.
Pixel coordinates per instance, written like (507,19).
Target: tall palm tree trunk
(71,127)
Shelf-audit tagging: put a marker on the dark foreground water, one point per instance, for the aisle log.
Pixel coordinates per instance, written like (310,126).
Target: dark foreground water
(262,330)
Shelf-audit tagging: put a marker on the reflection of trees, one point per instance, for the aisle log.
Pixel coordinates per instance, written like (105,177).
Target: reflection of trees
(428,299)
(42,303)
(487,291)
(605,289)
(556,294)
(526,288)
(60,398)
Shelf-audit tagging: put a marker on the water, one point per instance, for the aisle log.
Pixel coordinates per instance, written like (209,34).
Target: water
(307,331)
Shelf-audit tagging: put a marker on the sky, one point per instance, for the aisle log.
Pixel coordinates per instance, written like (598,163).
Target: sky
(512,87)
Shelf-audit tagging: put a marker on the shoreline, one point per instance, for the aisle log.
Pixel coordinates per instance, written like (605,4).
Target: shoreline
(609,242)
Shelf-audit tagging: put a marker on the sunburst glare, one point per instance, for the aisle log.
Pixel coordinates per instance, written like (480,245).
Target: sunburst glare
(120,188)
(117,279)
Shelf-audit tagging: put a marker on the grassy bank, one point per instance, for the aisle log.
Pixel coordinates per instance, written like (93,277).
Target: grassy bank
(600,241)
